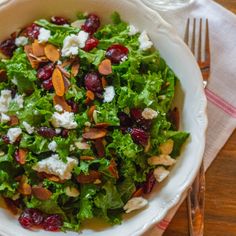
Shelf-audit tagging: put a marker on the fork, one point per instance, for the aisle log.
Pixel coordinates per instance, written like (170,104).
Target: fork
(196,194)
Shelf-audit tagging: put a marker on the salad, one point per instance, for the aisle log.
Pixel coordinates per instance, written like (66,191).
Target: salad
(86,124)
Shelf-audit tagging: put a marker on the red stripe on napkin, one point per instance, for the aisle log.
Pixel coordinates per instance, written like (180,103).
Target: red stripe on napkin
(221,103)
(163,224)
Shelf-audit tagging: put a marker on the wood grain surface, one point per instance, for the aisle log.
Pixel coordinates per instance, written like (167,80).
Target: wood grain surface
(220,210)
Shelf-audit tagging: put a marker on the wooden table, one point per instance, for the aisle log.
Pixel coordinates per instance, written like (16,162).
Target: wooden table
(220,210)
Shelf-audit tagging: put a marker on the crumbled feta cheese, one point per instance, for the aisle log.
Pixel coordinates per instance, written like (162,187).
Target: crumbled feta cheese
(13,134)
(64,120)
(135,203)
(87,123)
(82,145)
(162,159)
(58,108)
(14,80)
(149,113)
(124,58)
(58,130)
(167,147)
(78,23)
(160,173)
(72,148)
(21,41)
(19,100)
(28,127)
(59,62)
(132,30)
(54,166)
(5,100)
(145,42)
(72,43)
(52,146)
(5,118)
(44,35)
(109,94)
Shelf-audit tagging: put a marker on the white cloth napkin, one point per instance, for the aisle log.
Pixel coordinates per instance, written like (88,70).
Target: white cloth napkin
(221,89)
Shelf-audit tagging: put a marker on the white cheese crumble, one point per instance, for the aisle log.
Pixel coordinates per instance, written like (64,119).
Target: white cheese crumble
(64,120)
(5,100)
(44,35)
(162,159)
(132,30)
(21,41)
(149,113)
(78,23)
(5,118)
(52,146)
(124,58)
(72,43)
(28,127)
(19,99)
(58,130)
(144,42)
(58,108)
(135,203)
(109,94)
(13,134)
(160,173)
(54,166)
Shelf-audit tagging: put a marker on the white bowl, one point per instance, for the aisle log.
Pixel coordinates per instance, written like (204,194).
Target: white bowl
(191,100)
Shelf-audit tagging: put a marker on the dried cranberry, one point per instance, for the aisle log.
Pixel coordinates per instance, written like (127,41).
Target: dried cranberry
(32,31)
(8,46)
(139,136)
(47,132)
(31,217)
(58,20)
(90,44)
(125,120)
(116,52)
(5,139)
(91,24)
(74,106)
(150,182)
(136,115)
(45,72)
(47,84)
(65,133)
(52,223)
(93,82)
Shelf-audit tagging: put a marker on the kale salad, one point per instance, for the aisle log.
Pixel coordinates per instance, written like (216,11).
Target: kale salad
(86,123)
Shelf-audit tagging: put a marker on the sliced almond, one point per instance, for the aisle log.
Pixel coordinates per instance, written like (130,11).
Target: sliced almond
(41,193)
(105,67)
(90,112)
(138,192)
(52,52)
(68,62)
(90,95)
(75,69)
(72,192)
(82,145)
(24,188)
(113,169)
(29,52)
(94,133)
(58,82)
(99,147)
(162,159)
(63,71)
(38,49)
(3,75)
(104,82)
(90,178)
(87,158)
(57,100)
(21,155)
(13,120)
(167,147)
(102,125)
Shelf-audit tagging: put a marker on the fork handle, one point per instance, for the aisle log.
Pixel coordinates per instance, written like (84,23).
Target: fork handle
(196,204)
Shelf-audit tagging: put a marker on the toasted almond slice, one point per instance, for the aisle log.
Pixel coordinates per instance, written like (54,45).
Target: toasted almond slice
(38,49)
(105,67)
(29,52)
(24,188)
(63,71)
(13,120)
(75,69)
(90,112)
(21,155)
(52,52)
(90,178)
(86,158)
(68,62)
(41,193)
(57,100)
(3,75)
(102,125)
(113,169)
(82,145)
(90,95)
(138,192)
(99,147)
(67,83)
(94,133)
(104,82)
(72,191)
(167,147)
(58,82)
